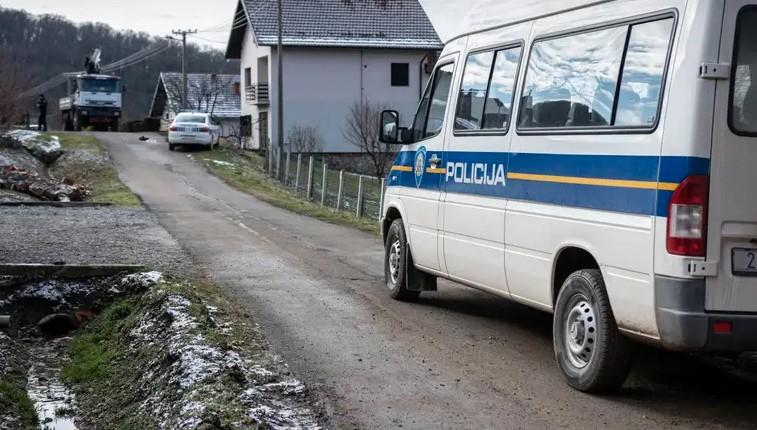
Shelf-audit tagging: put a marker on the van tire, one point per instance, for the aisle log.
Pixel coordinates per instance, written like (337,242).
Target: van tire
(592,354)
(171,147)
(396,261)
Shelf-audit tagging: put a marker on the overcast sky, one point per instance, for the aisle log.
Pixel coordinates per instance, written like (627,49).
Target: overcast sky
(159,17)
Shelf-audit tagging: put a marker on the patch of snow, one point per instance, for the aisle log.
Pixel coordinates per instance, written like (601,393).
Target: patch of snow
(221,163)
(138,281)
(44,146)
(55,292)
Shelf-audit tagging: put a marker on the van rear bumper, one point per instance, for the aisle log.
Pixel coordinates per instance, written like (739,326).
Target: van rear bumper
(684,325)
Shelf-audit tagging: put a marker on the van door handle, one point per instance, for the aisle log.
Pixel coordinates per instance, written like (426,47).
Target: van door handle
(434,161)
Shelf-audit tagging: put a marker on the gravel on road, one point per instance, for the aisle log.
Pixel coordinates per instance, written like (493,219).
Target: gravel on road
(89,235)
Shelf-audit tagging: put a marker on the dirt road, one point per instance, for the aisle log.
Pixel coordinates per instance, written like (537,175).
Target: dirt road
(455,359)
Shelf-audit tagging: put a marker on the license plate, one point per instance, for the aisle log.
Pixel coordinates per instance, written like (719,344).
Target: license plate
(744,261)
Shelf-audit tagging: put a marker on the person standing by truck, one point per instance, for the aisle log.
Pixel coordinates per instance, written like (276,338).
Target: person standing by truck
(42,109)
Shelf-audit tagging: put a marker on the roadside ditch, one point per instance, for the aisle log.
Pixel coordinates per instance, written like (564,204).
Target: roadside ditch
(139,351)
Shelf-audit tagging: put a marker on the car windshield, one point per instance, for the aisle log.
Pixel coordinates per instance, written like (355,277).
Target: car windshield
(194,119)
(98,85)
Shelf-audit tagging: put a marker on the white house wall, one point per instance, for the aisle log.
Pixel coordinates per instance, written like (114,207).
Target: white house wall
(250,54)
(321,84)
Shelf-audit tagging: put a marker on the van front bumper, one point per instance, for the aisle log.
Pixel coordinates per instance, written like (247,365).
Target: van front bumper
(684,325)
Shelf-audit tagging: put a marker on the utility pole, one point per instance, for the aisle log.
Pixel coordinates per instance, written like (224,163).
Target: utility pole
(280,93)
(183,34)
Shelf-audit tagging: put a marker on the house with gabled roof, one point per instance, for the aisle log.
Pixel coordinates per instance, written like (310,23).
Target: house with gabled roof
(216,94)
(335,53)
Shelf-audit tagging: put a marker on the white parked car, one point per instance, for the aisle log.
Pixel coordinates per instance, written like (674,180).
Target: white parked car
(193,129)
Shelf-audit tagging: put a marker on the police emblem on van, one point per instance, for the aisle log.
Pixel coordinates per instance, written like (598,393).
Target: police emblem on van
(420,165)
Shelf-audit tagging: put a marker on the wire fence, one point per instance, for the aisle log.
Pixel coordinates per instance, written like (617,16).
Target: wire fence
(310,177)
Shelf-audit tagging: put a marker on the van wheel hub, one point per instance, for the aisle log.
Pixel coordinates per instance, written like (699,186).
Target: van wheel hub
(581,333)
(395,254)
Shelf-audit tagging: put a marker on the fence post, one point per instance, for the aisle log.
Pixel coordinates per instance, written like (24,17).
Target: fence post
(270,161)
(381,200)
(297,178)
(341,190)
(310,178)
(323,182)
(286,168)
(359,211)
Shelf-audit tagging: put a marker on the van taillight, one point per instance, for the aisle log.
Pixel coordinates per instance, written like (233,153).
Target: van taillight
(687,218)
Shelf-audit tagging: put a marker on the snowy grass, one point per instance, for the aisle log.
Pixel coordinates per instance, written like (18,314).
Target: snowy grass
(181,357)
(86,161)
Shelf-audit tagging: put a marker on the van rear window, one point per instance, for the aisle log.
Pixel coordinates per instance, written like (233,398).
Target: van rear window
(743,112)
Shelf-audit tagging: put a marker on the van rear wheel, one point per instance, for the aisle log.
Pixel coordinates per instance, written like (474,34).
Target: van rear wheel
(591,353)
(396,260)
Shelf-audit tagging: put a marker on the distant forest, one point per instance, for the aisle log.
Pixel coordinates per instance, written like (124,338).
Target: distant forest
(43,46)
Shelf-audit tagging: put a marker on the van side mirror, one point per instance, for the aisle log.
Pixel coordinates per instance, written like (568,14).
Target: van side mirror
(123,89)
(390,127)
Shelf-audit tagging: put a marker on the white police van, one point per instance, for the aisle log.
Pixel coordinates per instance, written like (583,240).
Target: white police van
(594,159)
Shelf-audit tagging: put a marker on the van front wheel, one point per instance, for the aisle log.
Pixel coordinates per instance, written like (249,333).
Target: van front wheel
(590,351)
(396,263)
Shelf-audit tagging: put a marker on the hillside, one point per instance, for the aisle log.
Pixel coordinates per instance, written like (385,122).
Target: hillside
(45,45)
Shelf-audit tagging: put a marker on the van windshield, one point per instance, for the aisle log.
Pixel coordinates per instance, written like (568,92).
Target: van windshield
(743,115)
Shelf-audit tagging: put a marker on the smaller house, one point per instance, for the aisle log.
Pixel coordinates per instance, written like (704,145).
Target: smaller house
(216,94)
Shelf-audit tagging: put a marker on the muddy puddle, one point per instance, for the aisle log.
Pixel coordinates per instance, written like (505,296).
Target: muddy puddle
(53,402)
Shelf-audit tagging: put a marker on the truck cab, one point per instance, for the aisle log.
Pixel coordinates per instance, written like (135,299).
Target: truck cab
(95,101)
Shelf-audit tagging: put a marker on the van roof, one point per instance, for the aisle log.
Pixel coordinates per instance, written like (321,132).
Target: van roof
(491,14)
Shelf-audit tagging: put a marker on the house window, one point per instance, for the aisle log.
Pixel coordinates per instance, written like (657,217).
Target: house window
(248,77)
(400,74)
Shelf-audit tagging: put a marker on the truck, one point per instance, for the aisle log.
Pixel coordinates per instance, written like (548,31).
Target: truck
(94,99)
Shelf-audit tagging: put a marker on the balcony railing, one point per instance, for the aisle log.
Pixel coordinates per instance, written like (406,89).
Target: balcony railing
(257,94)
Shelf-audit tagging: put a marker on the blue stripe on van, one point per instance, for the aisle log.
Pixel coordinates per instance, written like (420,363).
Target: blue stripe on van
(646,169)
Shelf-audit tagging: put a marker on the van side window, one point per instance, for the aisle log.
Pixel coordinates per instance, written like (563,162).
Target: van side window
(439,98)
(571,81)
(500,98)
(470,102)
(429,119)
(598,79)
(743,111)
(643,70)
(485,98)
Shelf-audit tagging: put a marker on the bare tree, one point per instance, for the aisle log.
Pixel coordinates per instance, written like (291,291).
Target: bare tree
(203,93)
(10,90)
(362,131)
(304,139)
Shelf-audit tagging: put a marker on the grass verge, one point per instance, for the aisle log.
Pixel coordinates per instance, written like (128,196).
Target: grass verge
(13,398)
(245,172)
(86,161)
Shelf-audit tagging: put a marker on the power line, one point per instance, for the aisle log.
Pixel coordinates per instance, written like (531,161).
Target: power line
(224,27)
(209,40)
(128,61)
